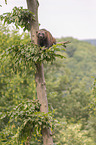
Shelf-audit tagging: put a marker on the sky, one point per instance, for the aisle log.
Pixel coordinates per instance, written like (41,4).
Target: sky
(63,18)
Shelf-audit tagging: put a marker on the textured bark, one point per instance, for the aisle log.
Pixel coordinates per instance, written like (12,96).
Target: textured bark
(33,7)
(42,96)
(40,81)
(41,88)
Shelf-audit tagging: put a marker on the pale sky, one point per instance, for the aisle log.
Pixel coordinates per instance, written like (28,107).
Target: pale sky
(63,18)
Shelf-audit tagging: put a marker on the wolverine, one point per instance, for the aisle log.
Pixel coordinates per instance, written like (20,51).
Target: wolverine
(44,38)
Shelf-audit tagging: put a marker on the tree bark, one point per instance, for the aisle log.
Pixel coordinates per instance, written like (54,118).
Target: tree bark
(39,78)
(42,96)
(34,25)
(41,88)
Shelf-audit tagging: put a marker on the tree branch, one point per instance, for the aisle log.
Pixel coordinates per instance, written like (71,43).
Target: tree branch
(62,43)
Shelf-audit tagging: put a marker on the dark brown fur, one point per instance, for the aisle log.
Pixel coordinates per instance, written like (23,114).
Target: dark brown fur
(45,38)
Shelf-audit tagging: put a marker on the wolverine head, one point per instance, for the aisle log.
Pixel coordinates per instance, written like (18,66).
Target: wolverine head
(41,34)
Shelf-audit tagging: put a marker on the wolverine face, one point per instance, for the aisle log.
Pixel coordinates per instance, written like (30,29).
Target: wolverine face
(41,35)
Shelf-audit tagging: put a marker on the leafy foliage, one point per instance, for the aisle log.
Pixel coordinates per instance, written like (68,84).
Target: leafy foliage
(68,83)
(30,53)
(16,84)
(91,126)
(68,94)
(5,1)
(72,134)
(20,17)
(27,120)
(69,88)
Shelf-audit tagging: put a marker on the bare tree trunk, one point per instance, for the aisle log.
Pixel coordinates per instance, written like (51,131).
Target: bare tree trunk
(41,88)
(42,96)
(33,7)
(40,81)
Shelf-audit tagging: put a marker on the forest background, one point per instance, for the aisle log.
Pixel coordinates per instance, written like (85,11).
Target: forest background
(71,91)
(70,88)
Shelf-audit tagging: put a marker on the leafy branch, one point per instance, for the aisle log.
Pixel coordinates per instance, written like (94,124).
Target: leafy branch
(27,119)
(19,16)
(32,53)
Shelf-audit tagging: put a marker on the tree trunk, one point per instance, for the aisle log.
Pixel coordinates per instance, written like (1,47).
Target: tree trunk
(42,96)
(40,81)
(33,7)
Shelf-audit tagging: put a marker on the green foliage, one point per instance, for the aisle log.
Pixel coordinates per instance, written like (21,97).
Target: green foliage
(70,51)
(72,134)
(91,126)
(30,53)
(14,83)
(15,86)
(69,84)
(93,100)
(69,88)
(5,1)
(62,92)
(25,120)
(20,117)
(19,16)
